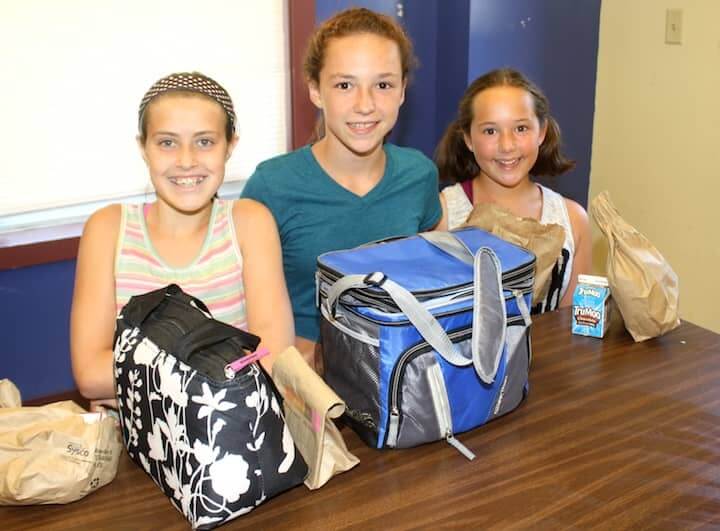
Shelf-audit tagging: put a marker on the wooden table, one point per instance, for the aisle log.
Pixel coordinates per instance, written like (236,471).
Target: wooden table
(613,435)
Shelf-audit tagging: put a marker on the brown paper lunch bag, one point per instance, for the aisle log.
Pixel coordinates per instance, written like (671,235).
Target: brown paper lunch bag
(544,241)
(56,453)
(644,286)
(310,406)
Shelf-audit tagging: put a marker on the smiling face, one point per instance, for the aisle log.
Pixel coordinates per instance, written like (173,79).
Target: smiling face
(360,91)
(185,149)
(505,135)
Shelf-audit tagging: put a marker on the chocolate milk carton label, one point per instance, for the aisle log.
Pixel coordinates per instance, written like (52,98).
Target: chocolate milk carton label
(591,306)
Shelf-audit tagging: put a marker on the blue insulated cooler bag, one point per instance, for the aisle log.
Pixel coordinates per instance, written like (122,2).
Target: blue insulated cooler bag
(210,433)
(426,336)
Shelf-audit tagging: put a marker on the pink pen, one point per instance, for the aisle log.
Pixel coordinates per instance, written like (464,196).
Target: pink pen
(231,369)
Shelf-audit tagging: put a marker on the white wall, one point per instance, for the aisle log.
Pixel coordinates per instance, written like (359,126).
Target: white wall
(74,71)
(656,139)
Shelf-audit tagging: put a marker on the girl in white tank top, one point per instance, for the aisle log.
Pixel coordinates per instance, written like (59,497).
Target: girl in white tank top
(504,133)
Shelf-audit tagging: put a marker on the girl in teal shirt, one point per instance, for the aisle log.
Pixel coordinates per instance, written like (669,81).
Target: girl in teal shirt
(349,187)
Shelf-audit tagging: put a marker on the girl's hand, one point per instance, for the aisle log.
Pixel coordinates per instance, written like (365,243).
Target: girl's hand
(98,405)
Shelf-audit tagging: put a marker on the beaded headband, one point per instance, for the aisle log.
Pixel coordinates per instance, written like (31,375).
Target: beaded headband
(191,82)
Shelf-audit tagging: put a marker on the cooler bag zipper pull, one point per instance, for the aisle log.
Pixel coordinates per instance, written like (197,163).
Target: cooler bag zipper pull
(522,306)
(393,428)
(460,447)
(438,393)
(231,369)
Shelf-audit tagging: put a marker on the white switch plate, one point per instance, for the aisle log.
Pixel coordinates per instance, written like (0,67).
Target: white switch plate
(673,26)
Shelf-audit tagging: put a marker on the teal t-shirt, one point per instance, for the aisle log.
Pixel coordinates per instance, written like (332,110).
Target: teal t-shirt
(315,214)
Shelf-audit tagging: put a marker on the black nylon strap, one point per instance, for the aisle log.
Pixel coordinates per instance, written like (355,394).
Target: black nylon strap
(212,332)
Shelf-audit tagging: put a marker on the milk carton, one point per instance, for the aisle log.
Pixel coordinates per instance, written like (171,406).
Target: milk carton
(591,306)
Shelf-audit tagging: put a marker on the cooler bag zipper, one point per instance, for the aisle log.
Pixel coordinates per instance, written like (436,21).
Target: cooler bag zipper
(377,300)
(399,368)
(396,375)
(219,364)
(438,393)
(514,294)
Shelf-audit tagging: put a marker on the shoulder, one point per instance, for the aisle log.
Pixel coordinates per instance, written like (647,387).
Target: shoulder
(578,219)
(406,159)
(555,204)
(456,198)
(250,209)
(255,228)
(104,222)
(576,212)
(279,176)
(281,163)
(457,205)
(251,216)
(100,235)
(453,191)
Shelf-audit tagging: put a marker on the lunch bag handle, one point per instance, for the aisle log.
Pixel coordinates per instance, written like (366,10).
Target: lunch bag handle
(147,303)
(489,312)
(212,332)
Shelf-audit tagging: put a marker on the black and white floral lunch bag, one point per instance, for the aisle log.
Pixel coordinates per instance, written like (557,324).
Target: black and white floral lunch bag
(213,439)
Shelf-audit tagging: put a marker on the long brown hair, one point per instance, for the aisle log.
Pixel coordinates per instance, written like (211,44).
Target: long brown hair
(352,22)
(457,163)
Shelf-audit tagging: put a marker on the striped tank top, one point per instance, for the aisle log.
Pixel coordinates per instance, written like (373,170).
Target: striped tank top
(214,276)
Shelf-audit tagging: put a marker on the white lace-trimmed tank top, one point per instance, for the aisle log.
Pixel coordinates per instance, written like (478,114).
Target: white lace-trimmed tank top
(554,210)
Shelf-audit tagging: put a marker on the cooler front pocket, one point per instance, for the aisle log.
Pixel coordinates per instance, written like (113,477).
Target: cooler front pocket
(352,370)
(518,351)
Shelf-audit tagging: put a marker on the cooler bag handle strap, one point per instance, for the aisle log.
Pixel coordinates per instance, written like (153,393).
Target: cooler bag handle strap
(489,310)
(417,314)
(455,247)
(489,314)
(451,244)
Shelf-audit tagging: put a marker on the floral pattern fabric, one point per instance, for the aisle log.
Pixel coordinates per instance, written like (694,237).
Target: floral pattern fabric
(217,449)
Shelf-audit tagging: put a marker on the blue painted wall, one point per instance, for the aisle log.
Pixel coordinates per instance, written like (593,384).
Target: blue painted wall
(34,328)
(324,9)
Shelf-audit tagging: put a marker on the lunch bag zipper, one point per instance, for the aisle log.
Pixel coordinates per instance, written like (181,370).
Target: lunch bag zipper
(178,325)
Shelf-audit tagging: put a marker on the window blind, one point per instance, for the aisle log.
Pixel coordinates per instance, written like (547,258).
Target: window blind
(74,73)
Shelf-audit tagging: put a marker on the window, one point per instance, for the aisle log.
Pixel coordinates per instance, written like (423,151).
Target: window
(74,74)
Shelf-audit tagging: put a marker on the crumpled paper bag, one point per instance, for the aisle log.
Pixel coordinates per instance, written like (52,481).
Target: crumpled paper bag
(544,241)
(643,284)
(9,394)
(56,453)
(310,406)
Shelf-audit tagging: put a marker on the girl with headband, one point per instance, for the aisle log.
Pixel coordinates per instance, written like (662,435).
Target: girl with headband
(226,253)
(349,187)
